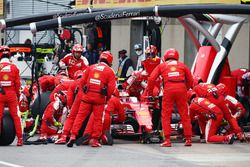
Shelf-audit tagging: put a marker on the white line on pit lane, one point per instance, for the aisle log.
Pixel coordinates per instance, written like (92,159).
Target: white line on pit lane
(9,164)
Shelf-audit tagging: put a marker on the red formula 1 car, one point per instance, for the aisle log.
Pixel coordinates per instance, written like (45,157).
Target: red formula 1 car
(138,121)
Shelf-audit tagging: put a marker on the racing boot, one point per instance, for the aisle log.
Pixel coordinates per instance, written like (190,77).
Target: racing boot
(241,137)
(188,142)
(95,143)
(42,139)
(202,139)
(107,139)
(229,139)
(166,143)
(19,141)
(71,141)
(83,140)
(62,140)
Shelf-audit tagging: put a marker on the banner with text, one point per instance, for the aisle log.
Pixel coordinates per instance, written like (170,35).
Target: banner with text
(1,7)
(145,3)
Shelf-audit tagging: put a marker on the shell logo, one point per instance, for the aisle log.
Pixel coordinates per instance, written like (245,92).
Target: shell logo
(5,77)
(96,75)
(172,68)
(209,86)
(207,102)
(143,113)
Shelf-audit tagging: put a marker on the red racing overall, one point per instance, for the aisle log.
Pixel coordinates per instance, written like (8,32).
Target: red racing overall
(209,118)
(10,85)
(177,80)
(99,83)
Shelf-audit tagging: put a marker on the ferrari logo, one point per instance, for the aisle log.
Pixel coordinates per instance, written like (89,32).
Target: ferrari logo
(1,65)
(172,68)
(96,75)
(5,77)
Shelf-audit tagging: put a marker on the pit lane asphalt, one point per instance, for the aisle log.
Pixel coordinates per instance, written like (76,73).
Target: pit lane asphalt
(126,154)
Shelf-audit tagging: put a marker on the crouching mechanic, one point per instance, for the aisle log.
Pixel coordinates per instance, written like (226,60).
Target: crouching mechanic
(52,117)
(114,107)
(135,84)
(209,118)
(74,95)
(177,79)
(214,95)
(236,111)
(98,83)
(9,90)
(236,108)
(64,86)
(47,83)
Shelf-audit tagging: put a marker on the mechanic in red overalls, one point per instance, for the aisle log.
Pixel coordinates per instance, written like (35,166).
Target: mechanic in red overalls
(236,110)
(210,91)
(98,83)
(74,61)
(47,83)
(10,90)
(64,86)
(136,82)
(243,77)
(177,79)
(152,60)
(113,107)
(74,95)
(209,118)
(149,64)
(52,117)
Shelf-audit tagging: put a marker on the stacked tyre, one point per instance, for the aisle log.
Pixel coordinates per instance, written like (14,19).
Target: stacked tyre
(7,132)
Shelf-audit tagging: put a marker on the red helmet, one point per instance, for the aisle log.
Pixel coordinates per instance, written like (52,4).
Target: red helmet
(23,103)
(222,88)
(4,50)
(47,82)
(171,54)
(62,96)
(190,95)
(151,50)
(106,55)
(78,74)
(26,90)
(77,48)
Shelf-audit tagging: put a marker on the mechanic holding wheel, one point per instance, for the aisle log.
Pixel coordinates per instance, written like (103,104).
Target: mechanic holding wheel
(177,79)
(10,90)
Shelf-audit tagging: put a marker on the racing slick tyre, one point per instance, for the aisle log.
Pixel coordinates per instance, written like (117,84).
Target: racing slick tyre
(38,108)
(196,128)
(131,121)
(245,102)
(7,132)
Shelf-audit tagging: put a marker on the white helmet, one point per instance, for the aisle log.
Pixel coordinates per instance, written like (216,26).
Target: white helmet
(137,47)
